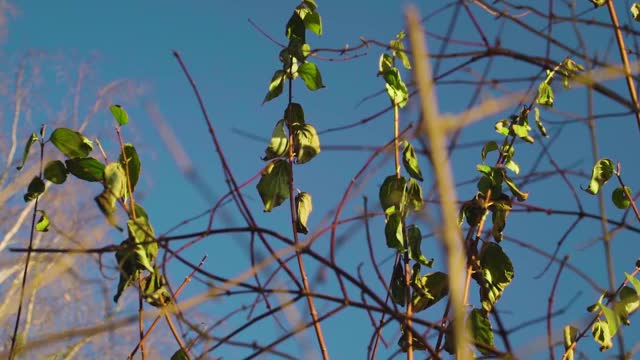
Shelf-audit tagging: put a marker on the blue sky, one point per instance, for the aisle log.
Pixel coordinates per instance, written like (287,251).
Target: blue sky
(232,64)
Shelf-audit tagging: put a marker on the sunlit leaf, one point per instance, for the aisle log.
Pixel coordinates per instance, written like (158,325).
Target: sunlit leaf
(545,94)
(520,195)
(497,273)
(602,335)
(311,76)
(154,289)
(27,148)
(132,164)
(629,302)
(273,186)
(88,169)
(619,197)
(429,289)
(541,128)
(601,173)
(71,143)
(502,127)
(410,161)
(633,281)
(304,206)
(55,171)
(481,329)
(115,179)
(306,144)
(279,144)
(275,86)
(396,88)
(146,248)
(499,212)
(414,196)
(487,148)
(313,22)
(43,222)
(635,11)
(570,334)
(513,166)
(119,114)
(415,240)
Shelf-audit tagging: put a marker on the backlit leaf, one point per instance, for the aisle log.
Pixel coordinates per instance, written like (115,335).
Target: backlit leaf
(304,206)
(311,76)
(487,148)
(601,173)
(635,11)
(88,169)
(273,186)
(27,148)
(132,164)
(410,161)
(545,94)
(313,22)
(520,195)
(71,143)
(275,86)
(570,334)
(541,128)
(497,273)
(43,223)
(306,144)
(481,329)
(119,114)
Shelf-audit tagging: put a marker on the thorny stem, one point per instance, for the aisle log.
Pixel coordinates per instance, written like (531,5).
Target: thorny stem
(13,350)
(294,227)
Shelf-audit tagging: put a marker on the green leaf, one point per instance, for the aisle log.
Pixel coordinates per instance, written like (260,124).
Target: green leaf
(276,85)
(146,249)
(414,196)
(473,210)
(545,94)
(313,22)
(570,335)
(481,330)
(396,88)
(35,188)
(487,148)
(601,173)
(416,342)
(633,281)
(619,197)
(273,186)
(294,114)
(306,143)
(602,335)
(497,273)
(635,11)
(485,170)
(114,188)
(119,114)
(132,164)
(499,212)
(279,144)
(598,3)
(392,192)
(393,232)
(304,206)
(295,28)
(410,161)
(502,127)
(125,257)
(513,166)
(541,128)
(385,63)
(154,289)
(629,302)
(141,212)
(55,171)
(27,147)
(88,169)
(311,76)
(415,240)
(398,285)
(179,355)
(429,289)
(71,143)
(43,223)
(520,195)
(115,179)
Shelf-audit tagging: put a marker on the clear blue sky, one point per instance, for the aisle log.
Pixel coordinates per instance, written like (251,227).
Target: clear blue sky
(232,64)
